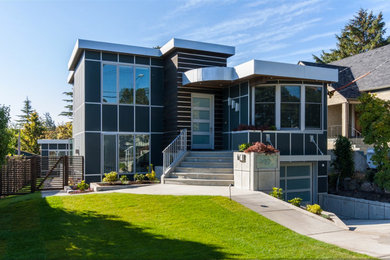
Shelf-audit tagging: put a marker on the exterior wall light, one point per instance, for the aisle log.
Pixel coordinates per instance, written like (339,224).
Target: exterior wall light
(229,101)
(233,104)
(237,107)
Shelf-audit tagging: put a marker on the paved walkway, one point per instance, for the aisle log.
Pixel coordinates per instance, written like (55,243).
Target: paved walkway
(366,239)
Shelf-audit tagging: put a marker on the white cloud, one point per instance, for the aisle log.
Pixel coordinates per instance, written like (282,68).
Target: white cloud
(318,36)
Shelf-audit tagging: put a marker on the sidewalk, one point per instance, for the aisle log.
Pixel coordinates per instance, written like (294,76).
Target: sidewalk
(373,242)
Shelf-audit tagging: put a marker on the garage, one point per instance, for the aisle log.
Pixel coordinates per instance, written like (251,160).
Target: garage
(296,181)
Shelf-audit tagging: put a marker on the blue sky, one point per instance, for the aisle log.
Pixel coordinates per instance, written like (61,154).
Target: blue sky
(37,37)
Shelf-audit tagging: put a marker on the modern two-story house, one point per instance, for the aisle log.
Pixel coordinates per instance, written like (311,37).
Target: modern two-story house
(131,103)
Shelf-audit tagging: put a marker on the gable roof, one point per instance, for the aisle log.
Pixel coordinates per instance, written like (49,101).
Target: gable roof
(355,66)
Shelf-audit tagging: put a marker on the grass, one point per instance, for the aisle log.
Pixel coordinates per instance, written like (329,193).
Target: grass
(127,226)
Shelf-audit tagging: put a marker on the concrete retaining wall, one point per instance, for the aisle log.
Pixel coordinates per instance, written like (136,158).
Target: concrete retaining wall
(354,208)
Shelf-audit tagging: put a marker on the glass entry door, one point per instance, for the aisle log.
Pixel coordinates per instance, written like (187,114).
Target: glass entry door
(202,121)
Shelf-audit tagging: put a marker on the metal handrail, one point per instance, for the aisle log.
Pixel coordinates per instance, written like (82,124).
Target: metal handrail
(174,152)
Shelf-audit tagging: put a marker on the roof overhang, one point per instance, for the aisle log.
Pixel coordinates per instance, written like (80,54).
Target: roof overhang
(54,141)
(70,79)
(260,68)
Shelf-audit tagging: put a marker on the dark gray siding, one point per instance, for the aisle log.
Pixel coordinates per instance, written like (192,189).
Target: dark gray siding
(126,118)
(92,81)
(92,153)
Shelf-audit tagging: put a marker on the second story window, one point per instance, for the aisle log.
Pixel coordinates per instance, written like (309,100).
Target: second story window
(142,85)
(119,81)
(265,106)
(290,102)
(109,83)
(313,107)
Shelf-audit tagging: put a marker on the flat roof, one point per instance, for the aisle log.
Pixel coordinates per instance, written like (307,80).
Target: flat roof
(54,141)
(174,43)
(260,68)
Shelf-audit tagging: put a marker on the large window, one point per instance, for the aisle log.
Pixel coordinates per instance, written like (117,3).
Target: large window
(119,81)
(109,153)
(126,153)
(142,152)
(290,97)
(142,85)
(265,106)
(126,83)
(109,83)
(313,107)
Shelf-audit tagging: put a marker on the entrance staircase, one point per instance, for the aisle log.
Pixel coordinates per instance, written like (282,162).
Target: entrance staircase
(212,168)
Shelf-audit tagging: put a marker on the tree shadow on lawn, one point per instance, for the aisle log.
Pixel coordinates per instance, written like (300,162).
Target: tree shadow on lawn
(69,234)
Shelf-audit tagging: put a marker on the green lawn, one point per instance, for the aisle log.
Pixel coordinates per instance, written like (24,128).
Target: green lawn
(126,226)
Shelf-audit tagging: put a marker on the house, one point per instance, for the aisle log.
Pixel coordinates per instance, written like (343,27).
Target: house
(55,147)
(131,102)
(342,114)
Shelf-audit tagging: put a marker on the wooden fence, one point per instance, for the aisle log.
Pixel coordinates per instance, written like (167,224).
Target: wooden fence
(26,174)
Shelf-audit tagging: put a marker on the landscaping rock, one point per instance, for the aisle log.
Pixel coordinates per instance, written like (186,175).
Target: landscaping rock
(353,185)
(367,186)
(346,183)
(376,188)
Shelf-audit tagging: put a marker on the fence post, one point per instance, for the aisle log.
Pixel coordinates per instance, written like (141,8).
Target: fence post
(66,170)
(1,177)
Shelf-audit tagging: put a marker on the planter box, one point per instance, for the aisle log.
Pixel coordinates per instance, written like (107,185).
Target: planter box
(256,171)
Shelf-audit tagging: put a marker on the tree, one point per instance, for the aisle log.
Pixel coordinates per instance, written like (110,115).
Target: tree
(375,124)
(69,107)
(63,131)
(32,130)
(49,122)
(5,133)
(363,33)
(26,111)
(344,164)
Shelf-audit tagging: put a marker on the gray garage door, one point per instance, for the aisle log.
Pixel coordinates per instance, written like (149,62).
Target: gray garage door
(295,180)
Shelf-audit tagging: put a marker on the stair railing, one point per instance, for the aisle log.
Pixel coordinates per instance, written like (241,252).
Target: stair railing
(173,153)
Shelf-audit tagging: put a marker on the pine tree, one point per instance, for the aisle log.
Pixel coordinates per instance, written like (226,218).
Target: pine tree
(49,122)
(363,33)
(32,130)
(26,111)
(69,107)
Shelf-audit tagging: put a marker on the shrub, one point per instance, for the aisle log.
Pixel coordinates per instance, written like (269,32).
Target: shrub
(151,175)
(277,193)
(382,178)
(139,177)
(243,147)
(343,164)
(296,201)
(110,177)
(315,208)
(259,147)
(124,179)
(82,186)
(370,175)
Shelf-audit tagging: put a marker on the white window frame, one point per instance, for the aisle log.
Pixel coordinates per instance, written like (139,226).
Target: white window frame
(278,106)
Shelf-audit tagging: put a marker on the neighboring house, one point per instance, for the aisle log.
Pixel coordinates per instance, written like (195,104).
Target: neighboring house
(131,102)
(342,114)
(55,147)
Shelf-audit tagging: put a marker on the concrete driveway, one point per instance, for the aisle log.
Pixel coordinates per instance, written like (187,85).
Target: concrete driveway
(368,238)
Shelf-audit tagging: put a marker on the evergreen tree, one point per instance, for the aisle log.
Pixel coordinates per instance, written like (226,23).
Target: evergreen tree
(26,111)
(5,133)
(69,107)
(363,33)
(49,122)
(32,130)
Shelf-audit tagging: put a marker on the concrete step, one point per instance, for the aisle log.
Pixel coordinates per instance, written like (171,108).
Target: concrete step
(202,175)
(211,154)
(208,159)
(204,170)
(207,164)
(205,182)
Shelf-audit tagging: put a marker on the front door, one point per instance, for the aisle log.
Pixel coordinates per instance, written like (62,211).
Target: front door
(202,121)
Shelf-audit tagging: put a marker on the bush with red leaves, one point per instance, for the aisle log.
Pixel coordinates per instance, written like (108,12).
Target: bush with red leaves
(259,147)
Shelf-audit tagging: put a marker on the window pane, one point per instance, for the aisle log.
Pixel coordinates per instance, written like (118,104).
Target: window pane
(313,115)
(142,152)
(201,114)
(313,94)
(290,93)
(201,127)
(289,115)
(265,94)
(200,102)
(109,83)
(126,153)
(294,171)
(265,115)
(126,76)
(201,139)
(109,153)
(142,85)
